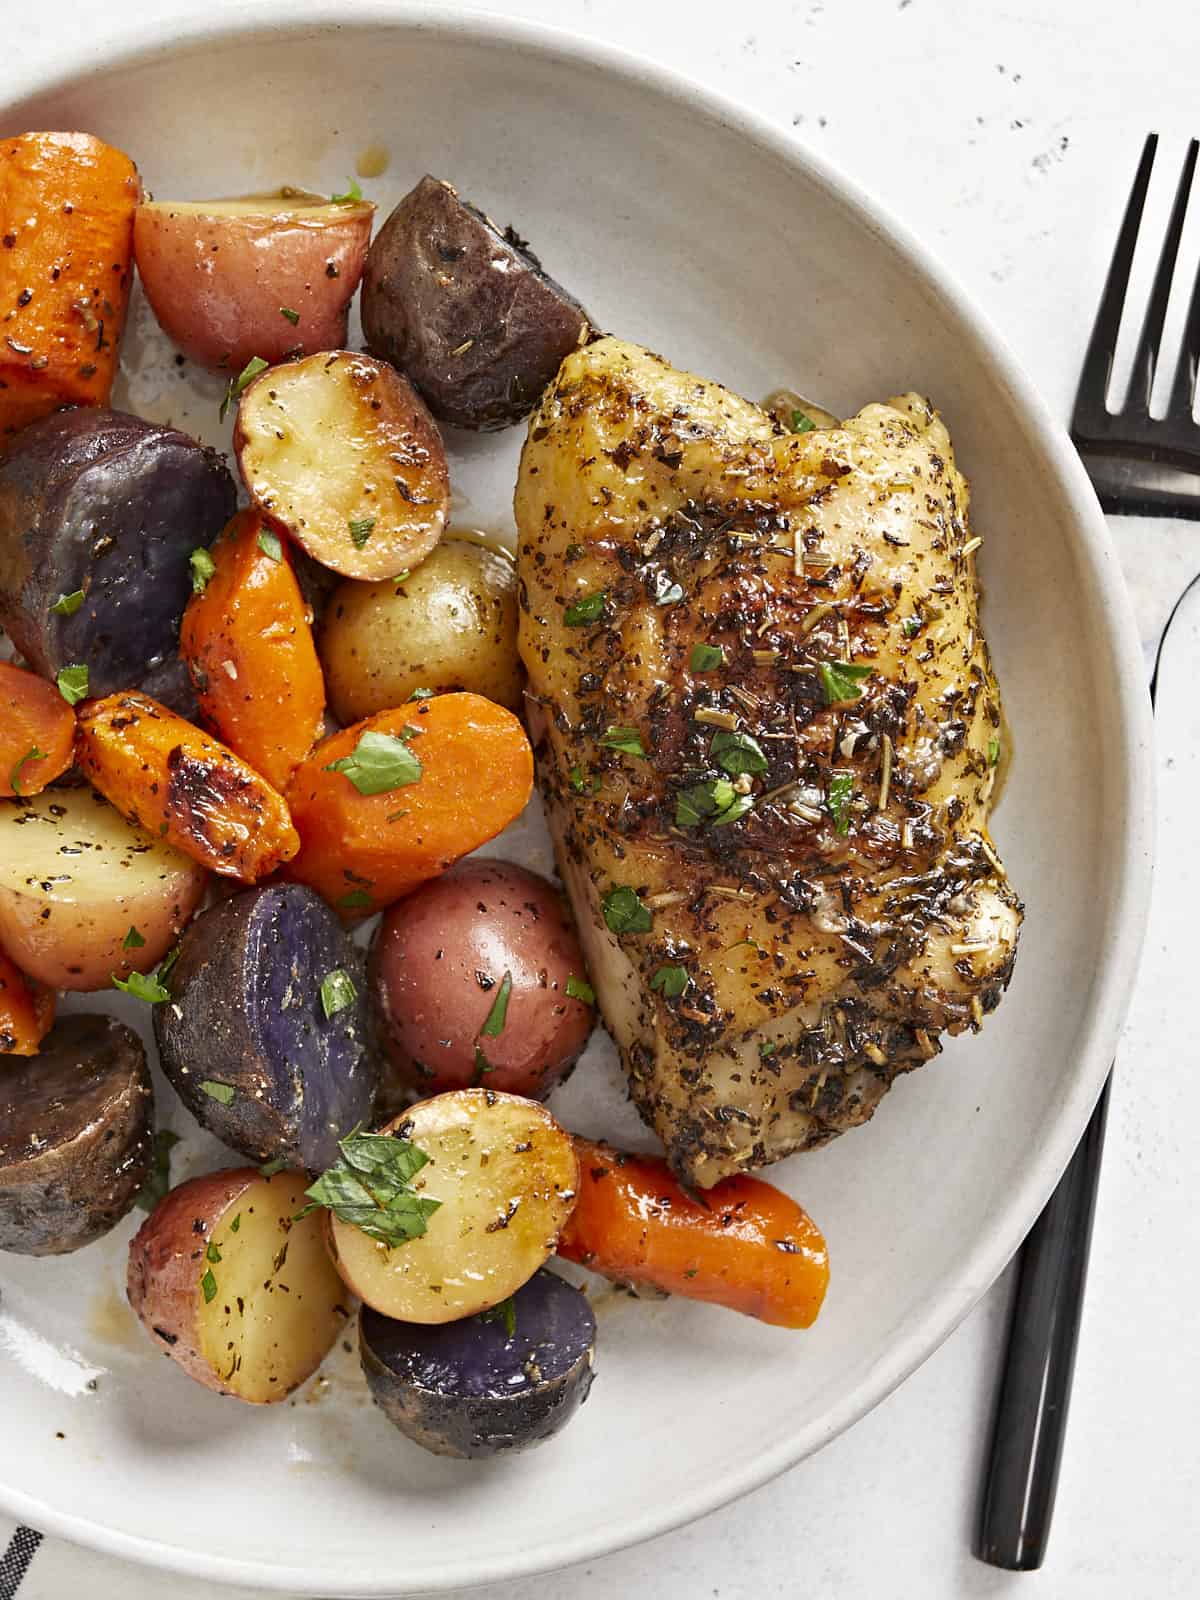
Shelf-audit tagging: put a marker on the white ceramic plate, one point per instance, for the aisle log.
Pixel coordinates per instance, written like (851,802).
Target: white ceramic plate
(685,224)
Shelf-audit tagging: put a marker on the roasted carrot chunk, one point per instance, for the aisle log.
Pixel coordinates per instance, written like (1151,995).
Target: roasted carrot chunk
(393,801)
(37,732)
(66,214)
(742,1244)
(165,775)
(247,640)
(26,1011)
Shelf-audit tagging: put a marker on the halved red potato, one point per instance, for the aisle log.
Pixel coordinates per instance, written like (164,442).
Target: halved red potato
(340,451)
(239,1293)
(266,275)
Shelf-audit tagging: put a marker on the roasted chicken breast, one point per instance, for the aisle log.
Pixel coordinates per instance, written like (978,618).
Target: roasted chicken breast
(768,740)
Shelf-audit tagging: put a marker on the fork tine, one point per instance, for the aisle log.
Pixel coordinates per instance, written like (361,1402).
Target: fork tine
(1092,394)
(1183,387)
(1145,358)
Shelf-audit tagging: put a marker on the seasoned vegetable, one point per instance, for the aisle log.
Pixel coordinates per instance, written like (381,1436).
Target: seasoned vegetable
(83,895)
(98,514)
(37,732)
(26,1011)
(67,204)
(247,639)
(263,1036)
(75,1126)
(391,802)
(504,1380)
(503,1176)
(450,624)
(469,981)
(743,1244)
(465,309)
(161,771)
(340,453)
(234,1289)
(269,275)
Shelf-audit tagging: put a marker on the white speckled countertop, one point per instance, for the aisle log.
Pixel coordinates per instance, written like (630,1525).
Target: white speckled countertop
(1006,134)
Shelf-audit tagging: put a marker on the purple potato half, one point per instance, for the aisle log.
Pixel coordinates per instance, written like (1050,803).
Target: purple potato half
(473,1389)
(245,1039)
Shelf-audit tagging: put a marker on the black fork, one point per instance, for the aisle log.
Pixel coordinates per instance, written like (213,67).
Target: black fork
(1140,466)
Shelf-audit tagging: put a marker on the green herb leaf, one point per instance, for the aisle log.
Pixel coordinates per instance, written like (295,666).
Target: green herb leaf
(736,753)
(911,626)
(767,1048)
(993,753)
(158,1180)
(168,962)
(73,684)
(132,940)
(236,1223)
(238,385)
(582,613)
(505,1312)
(841,679)
(578,782)
(801,422)
(421,694)
(351,197)
(498,1015)
(731,813)
(666,591)
(212,1253)
(292,316)
(841,792)
(482,1067)
(701,801)
(580,989)
(356,900)
(705,657)
(222,1093)
(68,604)
(402,577)
(370,1187)
(625,913)
(670,982)
(208,1285)
(203,569)
(337,992)
(14,778)
(627,740)
(379,763)
(143,986)
(270,1168)
(269,544)
(360,530)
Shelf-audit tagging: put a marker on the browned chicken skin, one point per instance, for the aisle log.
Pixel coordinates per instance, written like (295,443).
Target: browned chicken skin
(771,736)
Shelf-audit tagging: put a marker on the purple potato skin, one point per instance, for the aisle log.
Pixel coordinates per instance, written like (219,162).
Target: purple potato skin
(465,310)
(101,501)
(437,962)
(466,1389)
(75,1136)
(246,1011)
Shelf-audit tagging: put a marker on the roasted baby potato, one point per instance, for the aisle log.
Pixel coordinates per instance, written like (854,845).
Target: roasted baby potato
(75,1124)
(99,513)
(235,1287)
(506,1176)
(465,310)
(449,624)
(469,983)
(84,896)
(263,1036)
(339,452)
(267,275)
(504,1380)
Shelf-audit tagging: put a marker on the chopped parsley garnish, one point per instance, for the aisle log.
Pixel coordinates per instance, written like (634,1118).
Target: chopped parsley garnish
(73,684)
(505,1312)
(911,626)
(212,1253)
(270,1168)
(203,569)
(705,657)
(351,197)
(580,989)
(292,316)
(627,740)
(402,577)
(132,940)
(581,613)
(360,530)
(236,1223)
(736,753)
(801,422)
(670,981)
(380,762)
(482,1067)
(222,1093)
(624,911)
(841,792)
(767,1048)
(238,385)
(370,1187)
(143,986)
(158,1180)
(498,1015)
(841,679)
(356,900)
(14,779)
(421,694)
(731,813)
(68,604)
(578,782)
(269,544)
(993,753)
(208,1285)
(714,802)
(337,991)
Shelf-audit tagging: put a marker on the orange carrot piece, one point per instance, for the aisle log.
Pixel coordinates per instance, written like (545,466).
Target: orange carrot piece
(742,1244)
(472,774)
(66,210)
(165,775)
(26,1011)
(37,732)
(247,640)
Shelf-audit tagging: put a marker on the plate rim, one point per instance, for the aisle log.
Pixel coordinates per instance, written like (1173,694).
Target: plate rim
(147,41)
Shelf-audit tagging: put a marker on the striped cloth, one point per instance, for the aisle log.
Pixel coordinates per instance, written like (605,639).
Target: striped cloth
(14,1563)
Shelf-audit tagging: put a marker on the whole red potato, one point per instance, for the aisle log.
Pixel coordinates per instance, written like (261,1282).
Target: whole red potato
(469,983)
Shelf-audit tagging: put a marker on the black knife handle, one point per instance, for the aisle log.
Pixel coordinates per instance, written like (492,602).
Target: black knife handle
(1035,1390)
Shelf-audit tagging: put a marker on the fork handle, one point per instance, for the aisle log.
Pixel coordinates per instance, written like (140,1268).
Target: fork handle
(1035,1390)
